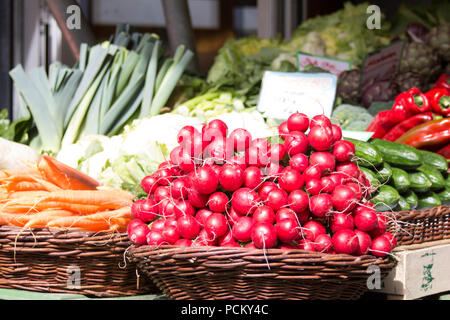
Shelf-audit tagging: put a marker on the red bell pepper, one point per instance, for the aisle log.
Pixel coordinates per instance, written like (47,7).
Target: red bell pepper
(382,123)
(443,82)
(416,101)
(445,152)
(401,128)
(440,100)
(435,133)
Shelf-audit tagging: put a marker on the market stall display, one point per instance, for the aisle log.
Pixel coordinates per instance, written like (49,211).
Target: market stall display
(227,189)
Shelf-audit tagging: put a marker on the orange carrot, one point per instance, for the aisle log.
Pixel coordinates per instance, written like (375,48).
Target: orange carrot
(24,186)
(41,219)
(26,205)
(64,176)
(12,219)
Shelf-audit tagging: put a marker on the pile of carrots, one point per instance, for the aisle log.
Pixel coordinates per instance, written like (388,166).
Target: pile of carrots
(53,195)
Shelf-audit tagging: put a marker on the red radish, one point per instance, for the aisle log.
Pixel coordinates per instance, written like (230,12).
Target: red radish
(277,152)
(297,144)
(216,224)
(320,138)
(299,162)
(138,233)
(165,164)
(344,198)
(255,156)
(161,193)
(186,137)
(261,144)
(380,229)
(202,215)
(303,216)
(366,220)
(276,199)
(188,227)
(283,130)
(337,178)
(185,162)
(320,205)
(391,239)
(285,213)
(179,188)
(290,180)
(183,243)
(273,170)
(157,225)
(170,234)
(205,239)
(380,246)
(287,230)
(155,238)
(165,176)
(240,139)
(242,229)
(175,155)
(218,124)
(337,132)
(245,201)
(264,214)
(265,188)
(225,239)
(298,122)
(313,186)
(252,177)
(327,184)
(298,200)
(218,202)
(320,121)
(364,242)
(287,246)
(170,222)
(323,243)
(345,241)
(216,168)
(348,169)
(343,151)
(233,216)
(133,223)
(311,230)
(220,150)
(324,160)
(197,199)
(356,188)
(264,235)
(167,208)
(312,172)
(149,183)
(145,210)
(183,208)
(342,221)
(237,161)
(307,245)
(250,245)
(205,180)
(231,177)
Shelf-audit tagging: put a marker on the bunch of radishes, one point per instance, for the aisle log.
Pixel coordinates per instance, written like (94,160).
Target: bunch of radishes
(221,189)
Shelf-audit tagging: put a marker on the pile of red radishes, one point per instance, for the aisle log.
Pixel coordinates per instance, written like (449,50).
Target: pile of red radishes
(227,189)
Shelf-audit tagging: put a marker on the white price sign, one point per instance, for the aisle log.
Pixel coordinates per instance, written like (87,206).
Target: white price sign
(284,93)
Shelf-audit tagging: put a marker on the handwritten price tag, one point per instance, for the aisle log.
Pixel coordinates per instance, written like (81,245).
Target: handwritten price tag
(283,93)
(335,66)
(383,63)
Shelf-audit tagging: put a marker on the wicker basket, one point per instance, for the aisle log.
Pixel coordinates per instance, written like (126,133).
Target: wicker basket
(419,226)
(46,260)
(241,273)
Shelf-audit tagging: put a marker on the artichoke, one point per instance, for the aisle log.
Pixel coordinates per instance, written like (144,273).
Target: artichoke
(439,40)
(408,80)
(384,90)
(348,86)
(420,59)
